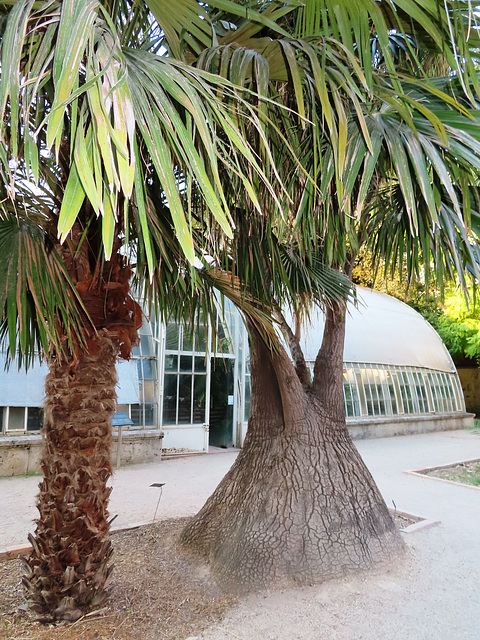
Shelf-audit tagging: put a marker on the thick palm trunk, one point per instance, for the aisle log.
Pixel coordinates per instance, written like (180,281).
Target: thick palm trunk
(298,505)
(69,564)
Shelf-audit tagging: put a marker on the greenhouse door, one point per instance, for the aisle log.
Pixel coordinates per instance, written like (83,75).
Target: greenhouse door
(222,402)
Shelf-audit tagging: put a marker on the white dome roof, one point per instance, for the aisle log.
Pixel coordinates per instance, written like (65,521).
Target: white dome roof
(383,330)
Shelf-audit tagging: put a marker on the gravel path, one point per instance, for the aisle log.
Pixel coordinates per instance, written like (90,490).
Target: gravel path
(434,594)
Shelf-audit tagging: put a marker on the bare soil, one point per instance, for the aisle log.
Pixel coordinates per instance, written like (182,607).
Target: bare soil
(158,592)
(464,472)
(404,520)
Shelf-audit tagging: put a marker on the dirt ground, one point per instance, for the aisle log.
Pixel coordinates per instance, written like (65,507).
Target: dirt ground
(157,593)
(464,472)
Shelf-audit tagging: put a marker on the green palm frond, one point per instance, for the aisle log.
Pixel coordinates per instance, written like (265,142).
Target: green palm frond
(442,250)
(191,26)
(39,305)
(99,109)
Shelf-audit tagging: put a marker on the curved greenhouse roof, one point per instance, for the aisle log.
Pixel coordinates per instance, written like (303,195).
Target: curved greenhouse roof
(383,330)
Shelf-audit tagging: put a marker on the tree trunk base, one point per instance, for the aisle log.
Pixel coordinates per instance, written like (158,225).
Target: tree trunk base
(294,511)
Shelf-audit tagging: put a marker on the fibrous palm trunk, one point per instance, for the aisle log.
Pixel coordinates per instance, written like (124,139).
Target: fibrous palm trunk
(299,505)
(69,564)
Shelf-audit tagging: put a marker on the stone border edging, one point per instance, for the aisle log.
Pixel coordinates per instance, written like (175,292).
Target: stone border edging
(18,550)
(422,523)
(420,473)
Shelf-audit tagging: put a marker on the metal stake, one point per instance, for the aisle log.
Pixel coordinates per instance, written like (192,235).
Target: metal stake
(160,485)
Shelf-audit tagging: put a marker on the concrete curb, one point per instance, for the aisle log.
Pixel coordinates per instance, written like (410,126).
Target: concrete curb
(421,473)
(19,550)
(422,523)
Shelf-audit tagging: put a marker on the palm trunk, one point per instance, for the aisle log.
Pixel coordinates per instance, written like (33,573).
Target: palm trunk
(69,564)
(299,505)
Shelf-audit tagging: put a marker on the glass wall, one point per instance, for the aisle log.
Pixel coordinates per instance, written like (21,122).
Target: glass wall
(386,390)
(185,375)
(376,391)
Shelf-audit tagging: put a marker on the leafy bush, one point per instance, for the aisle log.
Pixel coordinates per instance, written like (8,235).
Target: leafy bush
(457,321)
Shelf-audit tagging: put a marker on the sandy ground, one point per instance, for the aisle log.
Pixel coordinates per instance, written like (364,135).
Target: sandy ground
(434,594)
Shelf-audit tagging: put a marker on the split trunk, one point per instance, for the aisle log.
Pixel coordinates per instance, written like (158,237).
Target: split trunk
(299,505)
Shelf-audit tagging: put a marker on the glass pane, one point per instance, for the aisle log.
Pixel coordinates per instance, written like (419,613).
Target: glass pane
(186,363)
(34,418)
(146,345)
(171,362)
(201,339)
(350,394)
(2,411)
(199,390)
(185,399)
(406,392)
(369,392)
(150,414)
(148,369)
(450,393)
(223,335)
(421,393)
(136,415)
(170,399)
(171,336)
(187,344)
(149,391)
(391,390)
(380,401)
(155,325)
(200,364)
(362,392)
(16,418)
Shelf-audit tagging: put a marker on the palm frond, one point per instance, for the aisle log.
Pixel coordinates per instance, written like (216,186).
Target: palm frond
(39,306)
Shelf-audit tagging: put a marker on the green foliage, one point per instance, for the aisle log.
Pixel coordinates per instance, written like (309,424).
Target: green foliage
(459,327)
(456,318)
(455,314)
(456,321)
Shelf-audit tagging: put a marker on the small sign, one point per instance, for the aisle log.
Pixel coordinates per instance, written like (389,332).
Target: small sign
(121,419)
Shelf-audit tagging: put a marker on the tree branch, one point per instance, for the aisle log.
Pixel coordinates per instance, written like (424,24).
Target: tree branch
(293,342)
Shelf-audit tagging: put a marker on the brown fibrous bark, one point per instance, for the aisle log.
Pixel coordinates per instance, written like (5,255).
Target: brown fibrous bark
(69,565)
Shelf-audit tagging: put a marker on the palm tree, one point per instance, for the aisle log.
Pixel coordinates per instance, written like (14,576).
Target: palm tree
(102,140)
(108,145)
(381,155)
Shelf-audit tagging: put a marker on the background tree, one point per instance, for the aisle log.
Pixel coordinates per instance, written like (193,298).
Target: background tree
(375,162)
(94,126)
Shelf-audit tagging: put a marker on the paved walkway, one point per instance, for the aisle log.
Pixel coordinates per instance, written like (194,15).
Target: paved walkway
(435,595)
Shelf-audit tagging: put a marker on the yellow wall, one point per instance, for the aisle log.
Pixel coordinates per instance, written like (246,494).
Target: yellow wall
(470,379)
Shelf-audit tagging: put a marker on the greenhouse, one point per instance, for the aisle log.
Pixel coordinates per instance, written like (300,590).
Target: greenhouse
(182,392)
